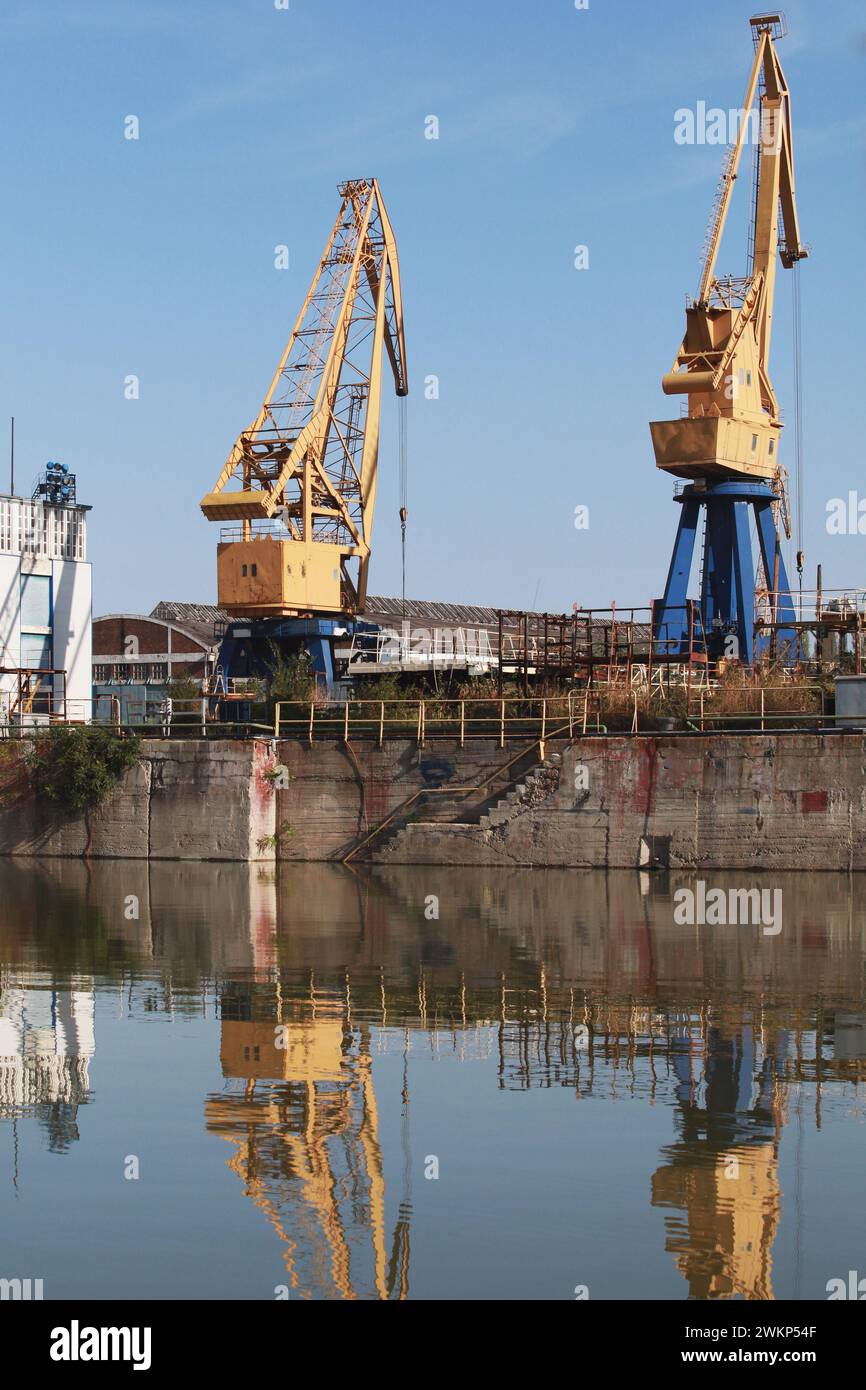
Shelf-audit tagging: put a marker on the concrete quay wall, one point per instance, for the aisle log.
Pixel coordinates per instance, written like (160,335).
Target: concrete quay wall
(758,801)
(792,801)
(184,800)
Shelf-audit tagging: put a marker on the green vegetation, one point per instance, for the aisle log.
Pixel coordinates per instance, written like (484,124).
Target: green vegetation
(278,775)
(291,682)
(291,678)
(13,772)
(9,754)
(390,687)
(265,842)
(79,767)
(183,688)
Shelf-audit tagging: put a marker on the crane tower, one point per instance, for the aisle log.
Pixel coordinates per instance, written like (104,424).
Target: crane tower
(727,445)
(298,490)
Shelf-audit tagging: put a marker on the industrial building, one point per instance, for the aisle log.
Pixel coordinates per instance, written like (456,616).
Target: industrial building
(45,604)
(150,649)
(135,655)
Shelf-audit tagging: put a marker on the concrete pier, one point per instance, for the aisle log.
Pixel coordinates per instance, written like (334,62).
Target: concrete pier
(759,801)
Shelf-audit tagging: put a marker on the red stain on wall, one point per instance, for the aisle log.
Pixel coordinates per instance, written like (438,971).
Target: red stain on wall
(648,775)
(379,794)
(263,763)
(813,801)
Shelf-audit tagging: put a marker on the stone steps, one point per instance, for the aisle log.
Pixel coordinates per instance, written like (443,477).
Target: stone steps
(536,785)
(532,788)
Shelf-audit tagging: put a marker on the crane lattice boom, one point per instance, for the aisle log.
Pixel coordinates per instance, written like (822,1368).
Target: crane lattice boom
(301,480)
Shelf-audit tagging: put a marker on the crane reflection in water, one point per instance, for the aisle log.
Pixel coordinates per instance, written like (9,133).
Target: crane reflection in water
(300,1108)
(334,995)
(300,1111)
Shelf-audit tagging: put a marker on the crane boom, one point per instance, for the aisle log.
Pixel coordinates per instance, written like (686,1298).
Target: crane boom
(301,480)
(733,425)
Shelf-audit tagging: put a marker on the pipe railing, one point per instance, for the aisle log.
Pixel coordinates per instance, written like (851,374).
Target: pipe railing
(756,700)
(576,714)
(493,718)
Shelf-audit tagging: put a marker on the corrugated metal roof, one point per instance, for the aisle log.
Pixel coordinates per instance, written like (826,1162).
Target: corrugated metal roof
(199,618)
(429,612)
(389,611)
(196,612)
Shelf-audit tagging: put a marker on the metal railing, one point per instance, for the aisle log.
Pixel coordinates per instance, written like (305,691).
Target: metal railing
(258,531)
(575,714)
(185,719)
(757,705)
(588,710)
(423,719)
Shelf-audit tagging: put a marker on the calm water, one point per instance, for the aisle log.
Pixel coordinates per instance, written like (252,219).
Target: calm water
(609,1099)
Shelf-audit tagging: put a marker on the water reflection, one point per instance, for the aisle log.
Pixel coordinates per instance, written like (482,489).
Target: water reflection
(46,1042)
(299,1107)
(330,996)
(722,1175)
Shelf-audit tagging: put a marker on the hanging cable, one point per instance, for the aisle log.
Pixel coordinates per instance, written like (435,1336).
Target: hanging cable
(403,464)
(798,424)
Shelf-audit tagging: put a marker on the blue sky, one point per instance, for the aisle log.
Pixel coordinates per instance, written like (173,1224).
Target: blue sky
(156,258)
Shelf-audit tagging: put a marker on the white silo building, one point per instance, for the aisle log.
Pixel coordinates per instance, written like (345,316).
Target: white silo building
(45,605)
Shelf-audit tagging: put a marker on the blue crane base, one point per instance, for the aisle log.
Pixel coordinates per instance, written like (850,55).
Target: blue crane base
(250,646)
(727,602)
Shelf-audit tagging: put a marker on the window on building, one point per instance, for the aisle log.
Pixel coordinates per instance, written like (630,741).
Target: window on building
(35,601)
(36,642)
(754,442)
(255,570)
(244,571)
(772,448)
(36,655)
(36,651)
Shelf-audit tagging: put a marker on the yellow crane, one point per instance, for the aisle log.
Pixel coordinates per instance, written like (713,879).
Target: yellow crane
(727,446)
(300,482)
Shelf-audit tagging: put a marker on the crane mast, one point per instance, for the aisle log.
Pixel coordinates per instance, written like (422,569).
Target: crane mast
(727,444)
(299,484)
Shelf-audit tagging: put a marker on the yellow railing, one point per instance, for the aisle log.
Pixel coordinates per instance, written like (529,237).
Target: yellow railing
(424,719)
(576,713)
(757,703)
